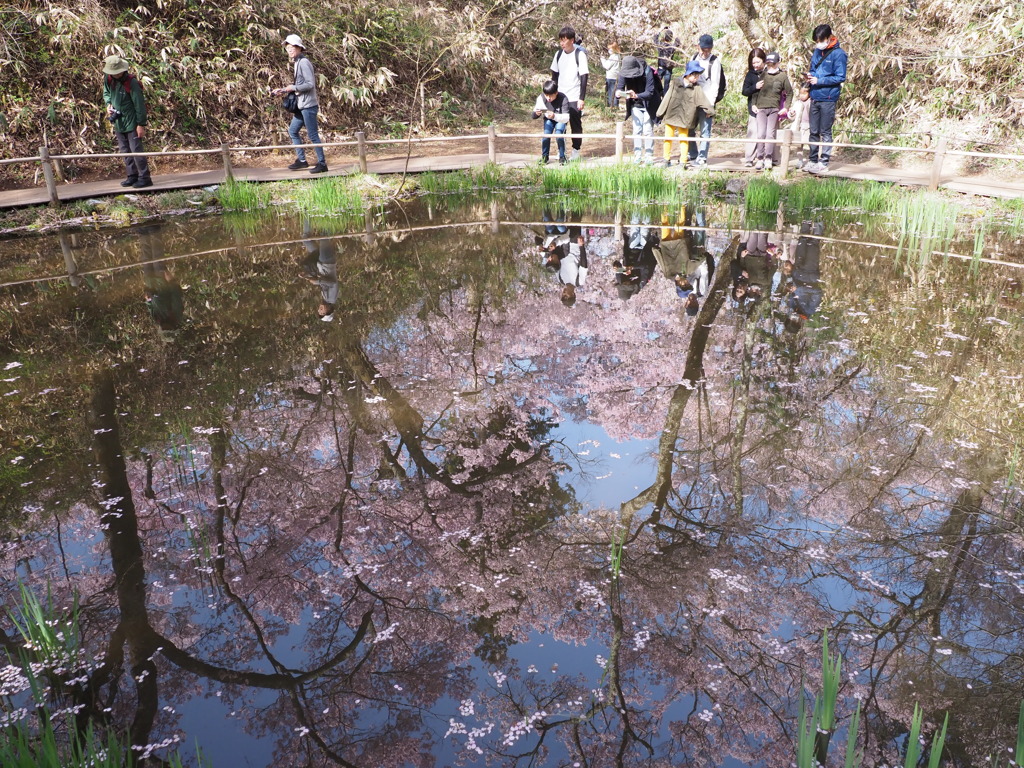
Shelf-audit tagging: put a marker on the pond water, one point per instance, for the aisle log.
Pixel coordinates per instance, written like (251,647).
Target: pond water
(469,516)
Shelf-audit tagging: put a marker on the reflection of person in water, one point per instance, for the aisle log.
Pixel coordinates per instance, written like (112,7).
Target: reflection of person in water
(682,256)
(807,268)
(636,267)
(320,267)
(569,259)
(161,288)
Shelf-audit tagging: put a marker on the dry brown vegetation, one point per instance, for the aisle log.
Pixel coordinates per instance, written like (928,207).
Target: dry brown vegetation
(391,66)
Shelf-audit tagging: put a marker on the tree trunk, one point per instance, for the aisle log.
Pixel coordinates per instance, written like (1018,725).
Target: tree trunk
(749,21)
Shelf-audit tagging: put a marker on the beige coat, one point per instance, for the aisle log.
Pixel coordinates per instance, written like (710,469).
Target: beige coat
(681,103)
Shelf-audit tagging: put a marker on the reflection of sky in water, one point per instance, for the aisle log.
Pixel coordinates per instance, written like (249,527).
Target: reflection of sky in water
(603,473)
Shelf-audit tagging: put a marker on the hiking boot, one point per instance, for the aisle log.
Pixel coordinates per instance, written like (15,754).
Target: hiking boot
(129,182)
(319,168)
(142,184)
(298,165)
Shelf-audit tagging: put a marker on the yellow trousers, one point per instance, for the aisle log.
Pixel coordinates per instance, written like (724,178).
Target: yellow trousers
(672,134)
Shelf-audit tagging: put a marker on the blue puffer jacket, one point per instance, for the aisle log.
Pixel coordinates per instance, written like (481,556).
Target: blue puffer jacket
(829,66)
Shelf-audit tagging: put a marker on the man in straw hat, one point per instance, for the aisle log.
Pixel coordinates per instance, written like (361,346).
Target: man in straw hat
(126,110)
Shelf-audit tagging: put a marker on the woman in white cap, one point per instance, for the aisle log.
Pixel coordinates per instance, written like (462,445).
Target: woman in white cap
(308,105)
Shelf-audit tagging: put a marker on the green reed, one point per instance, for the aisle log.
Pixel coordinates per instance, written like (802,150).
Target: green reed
(52,636)
(330,196)
(825,708)
(867,196)
(925,223)
(853,758)
(762,194)
(243,195)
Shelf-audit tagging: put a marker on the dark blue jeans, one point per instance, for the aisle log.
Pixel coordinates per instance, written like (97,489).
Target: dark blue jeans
(823,115)
(550,126)
(308,120)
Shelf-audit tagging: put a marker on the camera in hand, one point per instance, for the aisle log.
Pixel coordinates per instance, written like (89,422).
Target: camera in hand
(113,115)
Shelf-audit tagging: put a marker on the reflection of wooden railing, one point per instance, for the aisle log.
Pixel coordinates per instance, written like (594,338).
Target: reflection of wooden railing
(494,223)
(786,139)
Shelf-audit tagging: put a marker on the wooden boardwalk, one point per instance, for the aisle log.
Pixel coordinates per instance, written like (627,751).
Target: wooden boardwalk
(985,186)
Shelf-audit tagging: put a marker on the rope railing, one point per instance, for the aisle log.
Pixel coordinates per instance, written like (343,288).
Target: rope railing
(494,222)
(939,151)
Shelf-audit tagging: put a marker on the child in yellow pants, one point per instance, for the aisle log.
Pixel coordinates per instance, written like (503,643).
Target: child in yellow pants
(682,107)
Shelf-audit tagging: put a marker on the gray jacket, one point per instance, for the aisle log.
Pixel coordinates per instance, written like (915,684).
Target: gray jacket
(305,83)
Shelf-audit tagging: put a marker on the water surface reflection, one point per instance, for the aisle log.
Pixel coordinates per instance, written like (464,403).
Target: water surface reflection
(475,518)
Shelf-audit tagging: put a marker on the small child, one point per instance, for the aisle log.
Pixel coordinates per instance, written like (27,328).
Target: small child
(554,108)
(800,114)
(771,90)
(682,108)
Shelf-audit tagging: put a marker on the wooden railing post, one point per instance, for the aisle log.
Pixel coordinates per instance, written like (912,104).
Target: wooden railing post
(361,138)
(51,182)
(940,155)
(225,154)
(787,146)
(620,140)
(492,144)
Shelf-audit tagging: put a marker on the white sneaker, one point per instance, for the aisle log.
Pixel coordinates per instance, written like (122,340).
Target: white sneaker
(759,165)
(819,169)
(812,167)
(768,164)
(574,155)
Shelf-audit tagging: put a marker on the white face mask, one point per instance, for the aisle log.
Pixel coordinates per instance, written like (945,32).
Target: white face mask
(821,46)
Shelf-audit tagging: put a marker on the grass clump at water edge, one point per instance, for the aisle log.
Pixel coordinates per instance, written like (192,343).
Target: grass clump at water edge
(243,195)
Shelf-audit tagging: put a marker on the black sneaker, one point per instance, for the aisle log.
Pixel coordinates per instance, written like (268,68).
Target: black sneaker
(319,168)
(298,165)
(543,159)
(128,182)
(142,184)
(561,160)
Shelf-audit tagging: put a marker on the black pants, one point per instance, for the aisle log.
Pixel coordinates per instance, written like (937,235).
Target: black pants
(823,115)
(576,126)
(136,167)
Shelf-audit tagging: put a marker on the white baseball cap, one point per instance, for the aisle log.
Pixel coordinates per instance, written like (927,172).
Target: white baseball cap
(294,40)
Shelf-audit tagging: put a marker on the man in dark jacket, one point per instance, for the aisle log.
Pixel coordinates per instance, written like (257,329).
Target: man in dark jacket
(826,76)
(126,110)
(636,86)
(665,42)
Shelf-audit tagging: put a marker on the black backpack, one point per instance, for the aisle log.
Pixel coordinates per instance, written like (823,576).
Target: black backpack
(721,81)
(659,94)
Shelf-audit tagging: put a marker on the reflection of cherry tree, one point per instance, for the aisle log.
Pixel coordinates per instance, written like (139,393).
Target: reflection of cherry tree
(367,539)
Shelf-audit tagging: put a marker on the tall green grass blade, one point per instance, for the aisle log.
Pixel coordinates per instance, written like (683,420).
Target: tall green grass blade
(853,759)
(830,678)
(805,737)
(1018,755)
(938,743)
(914,738)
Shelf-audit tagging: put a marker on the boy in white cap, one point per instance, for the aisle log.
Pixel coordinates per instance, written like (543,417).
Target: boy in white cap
(308,105)
(126,110)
